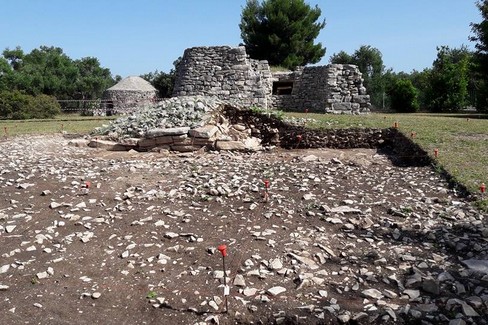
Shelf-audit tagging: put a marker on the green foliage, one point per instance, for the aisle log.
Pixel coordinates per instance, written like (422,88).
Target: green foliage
(47,70)
(370,62)
(480,30)
(162,81)
(448,80)
(92,79)
(403,96)
(45,107)
(151,295)
(5,73)
(15,105)
(282,32)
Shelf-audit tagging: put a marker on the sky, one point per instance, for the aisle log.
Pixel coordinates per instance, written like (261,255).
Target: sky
(134,37)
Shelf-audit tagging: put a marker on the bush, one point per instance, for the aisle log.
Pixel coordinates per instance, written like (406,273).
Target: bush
(403,96)
(45,106)
(15,105)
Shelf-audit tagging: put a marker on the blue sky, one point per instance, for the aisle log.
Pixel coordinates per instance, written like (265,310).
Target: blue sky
(137,37)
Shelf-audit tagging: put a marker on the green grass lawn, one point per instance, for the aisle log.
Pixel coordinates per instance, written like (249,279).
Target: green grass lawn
(461,140)
(70,123)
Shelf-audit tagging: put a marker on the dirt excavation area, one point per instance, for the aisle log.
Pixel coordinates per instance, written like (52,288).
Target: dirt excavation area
(89,236)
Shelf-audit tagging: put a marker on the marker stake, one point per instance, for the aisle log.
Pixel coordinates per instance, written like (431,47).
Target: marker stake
(266,192)
(299,139)
(223,251)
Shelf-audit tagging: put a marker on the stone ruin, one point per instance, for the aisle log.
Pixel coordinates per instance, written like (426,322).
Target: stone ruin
(229,74)
(126,96)
(215,92)
(201,123)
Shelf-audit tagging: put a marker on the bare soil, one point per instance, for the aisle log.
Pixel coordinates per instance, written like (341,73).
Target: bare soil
(115,237)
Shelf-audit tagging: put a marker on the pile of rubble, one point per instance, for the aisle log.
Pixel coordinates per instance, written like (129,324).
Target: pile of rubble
(181,124)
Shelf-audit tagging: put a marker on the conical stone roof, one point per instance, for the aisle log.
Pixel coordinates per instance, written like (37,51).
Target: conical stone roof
(133,83)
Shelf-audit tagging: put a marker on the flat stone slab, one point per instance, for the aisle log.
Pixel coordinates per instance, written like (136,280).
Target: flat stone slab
(344,209)
(230,145)
(205,132)
(170,131)
(107,145)
(477,265)
(372,293)
(274,291)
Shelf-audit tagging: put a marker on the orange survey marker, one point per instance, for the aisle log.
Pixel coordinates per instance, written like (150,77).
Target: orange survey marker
(223,251)
(266,190)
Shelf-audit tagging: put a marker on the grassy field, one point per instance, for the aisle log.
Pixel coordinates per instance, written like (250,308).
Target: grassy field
(461,140)
(68,122)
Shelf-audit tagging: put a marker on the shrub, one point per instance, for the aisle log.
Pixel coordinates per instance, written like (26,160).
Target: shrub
(45,107)
(403,96)
(15,105)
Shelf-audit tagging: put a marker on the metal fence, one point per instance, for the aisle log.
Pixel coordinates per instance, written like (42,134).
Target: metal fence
(85,107)
(98,106)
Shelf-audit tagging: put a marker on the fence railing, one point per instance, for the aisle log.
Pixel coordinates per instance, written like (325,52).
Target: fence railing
(98,106)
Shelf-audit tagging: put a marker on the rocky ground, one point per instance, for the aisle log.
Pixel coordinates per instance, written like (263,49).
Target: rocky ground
(90,236)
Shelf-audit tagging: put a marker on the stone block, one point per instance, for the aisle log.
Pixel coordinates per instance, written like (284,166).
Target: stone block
(146,143)
(186,148)
(169,131)
(107,145)
(205,132)
(230,145)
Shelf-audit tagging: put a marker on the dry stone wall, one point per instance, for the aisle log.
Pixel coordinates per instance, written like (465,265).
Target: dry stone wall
(126,101)
(335,88)
(127,95)
(224,72)
(230,74)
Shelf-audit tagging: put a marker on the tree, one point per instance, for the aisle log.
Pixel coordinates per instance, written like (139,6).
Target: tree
(16,105)
(341,58)
(480,36)
(5,74)
(403,96)
(421,81)
(448,80)
(14,57)
(47,70)
(92,79)
(370,62)
(282,32)
(162,81)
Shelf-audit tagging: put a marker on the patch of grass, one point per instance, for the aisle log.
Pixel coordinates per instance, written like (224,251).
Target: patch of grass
(151,295)
(462,140)
(66,122)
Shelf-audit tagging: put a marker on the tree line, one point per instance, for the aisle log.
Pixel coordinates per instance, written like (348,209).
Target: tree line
(283,32)
(31,83)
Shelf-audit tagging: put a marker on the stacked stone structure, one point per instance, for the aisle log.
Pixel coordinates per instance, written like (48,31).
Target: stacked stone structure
(127,95)
(224,72)
(230,74)
(334,88)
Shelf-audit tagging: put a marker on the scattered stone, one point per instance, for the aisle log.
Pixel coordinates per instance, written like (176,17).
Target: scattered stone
(9,228)
(372,293)
(274,291)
